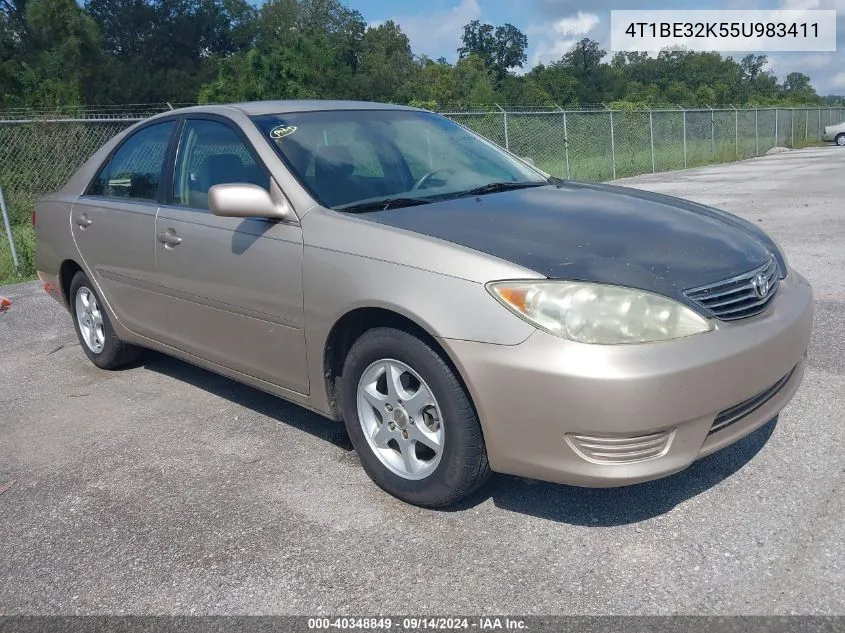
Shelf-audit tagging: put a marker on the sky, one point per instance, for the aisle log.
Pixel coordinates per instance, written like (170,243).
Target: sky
(553,26)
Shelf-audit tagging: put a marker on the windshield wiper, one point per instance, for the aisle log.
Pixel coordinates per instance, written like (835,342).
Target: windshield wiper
(494,187)
(382,205)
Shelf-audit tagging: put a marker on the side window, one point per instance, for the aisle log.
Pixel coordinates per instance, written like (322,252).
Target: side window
(134,170)
(211,153)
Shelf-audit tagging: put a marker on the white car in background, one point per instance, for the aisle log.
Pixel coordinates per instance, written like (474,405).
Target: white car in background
(834,134)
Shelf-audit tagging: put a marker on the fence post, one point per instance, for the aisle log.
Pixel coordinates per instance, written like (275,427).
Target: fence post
(651,134)
(736,133)
(566,146)
(806,125)
(685,139)
(9,230)
(712,133)
(776,128)
(756,135)
(792,127)
(505,119)
(612,146)
(820,124)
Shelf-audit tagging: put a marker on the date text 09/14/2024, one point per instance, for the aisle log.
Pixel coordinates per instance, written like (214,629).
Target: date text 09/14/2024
(417,623)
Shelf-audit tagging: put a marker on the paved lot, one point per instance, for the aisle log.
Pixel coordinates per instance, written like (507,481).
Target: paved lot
(164,488)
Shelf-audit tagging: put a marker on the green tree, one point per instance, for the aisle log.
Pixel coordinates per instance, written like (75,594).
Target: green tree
(798,88)
(435,82)
(163,50)
(65,48)
(500,48)
(308,49)
(12,36)
(475,82)
(584,64)
(385,69)
(556,80)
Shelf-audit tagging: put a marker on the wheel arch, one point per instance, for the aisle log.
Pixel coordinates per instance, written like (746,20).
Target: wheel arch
(350,326)
(67,271)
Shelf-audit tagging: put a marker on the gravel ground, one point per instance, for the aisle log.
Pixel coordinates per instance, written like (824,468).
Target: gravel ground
(167,489)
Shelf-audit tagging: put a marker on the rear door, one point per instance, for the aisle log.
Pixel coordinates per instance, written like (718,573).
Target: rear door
(234,285)
(113,226)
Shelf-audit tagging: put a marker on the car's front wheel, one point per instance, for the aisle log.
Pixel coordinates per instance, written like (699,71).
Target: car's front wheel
(94,329)
(411,421)
(840,139)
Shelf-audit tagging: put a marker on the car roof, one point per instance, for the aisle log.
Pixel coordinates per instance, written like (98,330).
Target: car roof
(253,108)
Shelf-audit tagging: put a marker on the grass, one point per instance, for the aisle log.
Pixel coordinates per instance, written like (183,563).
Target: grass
(24,237)
(599,166)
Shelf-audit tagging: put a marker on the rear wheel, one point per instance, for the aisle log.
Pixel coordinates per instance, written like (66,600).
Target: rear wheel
(840,139)
(411,421)
(94,329)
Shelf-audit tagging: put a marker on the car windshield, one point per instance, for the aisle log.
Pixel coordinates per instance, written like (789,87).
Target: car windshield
(359,160)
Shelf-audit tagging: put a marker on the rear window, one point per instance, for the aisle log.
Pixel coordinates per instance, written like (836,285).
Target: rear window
(134,170)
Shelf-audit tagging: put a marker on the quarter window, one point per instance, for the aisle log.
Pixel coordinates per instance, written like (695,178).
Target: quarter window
(134,170)
(211,153)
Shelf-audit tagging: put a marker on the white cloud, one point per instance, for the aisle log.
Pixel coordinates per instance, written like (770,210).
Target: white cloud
(434,32)
(838,81)
(555,39)
(800,4)
(580,24)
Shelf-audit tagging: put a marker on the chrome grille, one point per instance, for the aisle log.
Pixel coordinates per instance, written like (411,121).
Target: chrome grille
(619,449)
(739,411)
(739,297)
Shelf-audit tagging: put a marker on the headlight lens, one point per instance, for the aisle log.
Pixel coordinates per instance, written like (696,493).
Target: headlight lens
(598,313)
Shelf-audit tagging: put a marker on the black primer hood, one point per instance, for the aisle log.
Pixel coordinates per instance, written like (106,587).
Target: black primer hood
(600,233)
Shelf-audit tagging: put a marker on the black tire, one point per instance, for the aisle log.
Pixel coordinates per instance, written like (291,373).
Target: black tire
(115,352)
(463,465)
(840,139)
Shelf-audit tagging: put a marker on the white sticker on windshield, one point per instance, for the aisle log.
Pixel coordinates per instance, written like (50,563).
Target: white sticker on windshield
(282,130)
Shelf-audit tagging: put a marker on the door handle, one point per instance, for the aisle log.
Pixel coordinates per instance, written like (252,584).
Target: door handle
(83,221)
(169,238)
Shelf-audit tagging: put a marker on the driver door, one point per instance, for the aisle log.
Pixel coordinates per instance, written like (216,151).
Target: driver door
(234,285)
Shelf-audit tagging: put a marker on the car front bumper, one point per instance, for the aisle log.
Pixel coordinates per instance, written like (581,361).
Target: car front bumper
(610,415)
(829,137)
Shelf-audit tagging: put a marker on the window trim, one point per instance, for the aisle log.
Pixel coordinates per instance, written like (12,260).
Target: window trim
(162,173)
(169,199)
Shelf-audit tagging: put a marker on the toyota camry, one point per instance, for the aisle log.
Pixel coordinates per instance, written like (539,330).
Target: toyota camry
(459,310)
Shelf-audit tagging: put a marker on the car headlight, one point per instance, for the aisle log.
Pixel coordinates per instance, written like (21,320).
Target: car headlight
(598,313)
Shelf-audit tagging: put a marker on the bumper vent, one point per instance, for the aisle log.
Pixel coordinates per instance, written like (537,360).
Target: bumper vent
(739,297)
(619,449)
(739,411)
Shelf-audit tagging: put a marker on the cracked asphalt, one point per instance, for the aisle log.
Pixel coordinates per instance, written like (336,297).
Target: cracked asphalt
(166,489)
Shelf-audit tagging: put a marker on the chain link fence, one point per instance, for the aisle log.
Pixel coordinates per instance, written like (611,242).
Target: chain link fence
(39,151)
(606,144)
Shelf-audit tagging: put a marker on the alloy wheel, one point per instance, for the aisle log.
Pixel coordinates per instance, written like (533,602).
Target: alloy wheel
(89,318)
(400,418)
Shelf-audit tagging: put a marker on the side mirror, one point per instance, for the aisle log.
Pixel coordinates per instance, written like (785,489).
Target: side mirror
(241,200)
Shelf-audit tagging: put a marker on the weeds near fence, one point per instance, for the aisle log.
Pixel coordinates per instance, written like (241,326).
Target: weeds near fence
(38,154)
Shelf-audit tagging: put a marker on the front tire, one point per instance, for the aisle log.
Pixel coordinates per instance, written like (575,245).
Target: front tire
(94,329)
(840,139)
(411,421)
